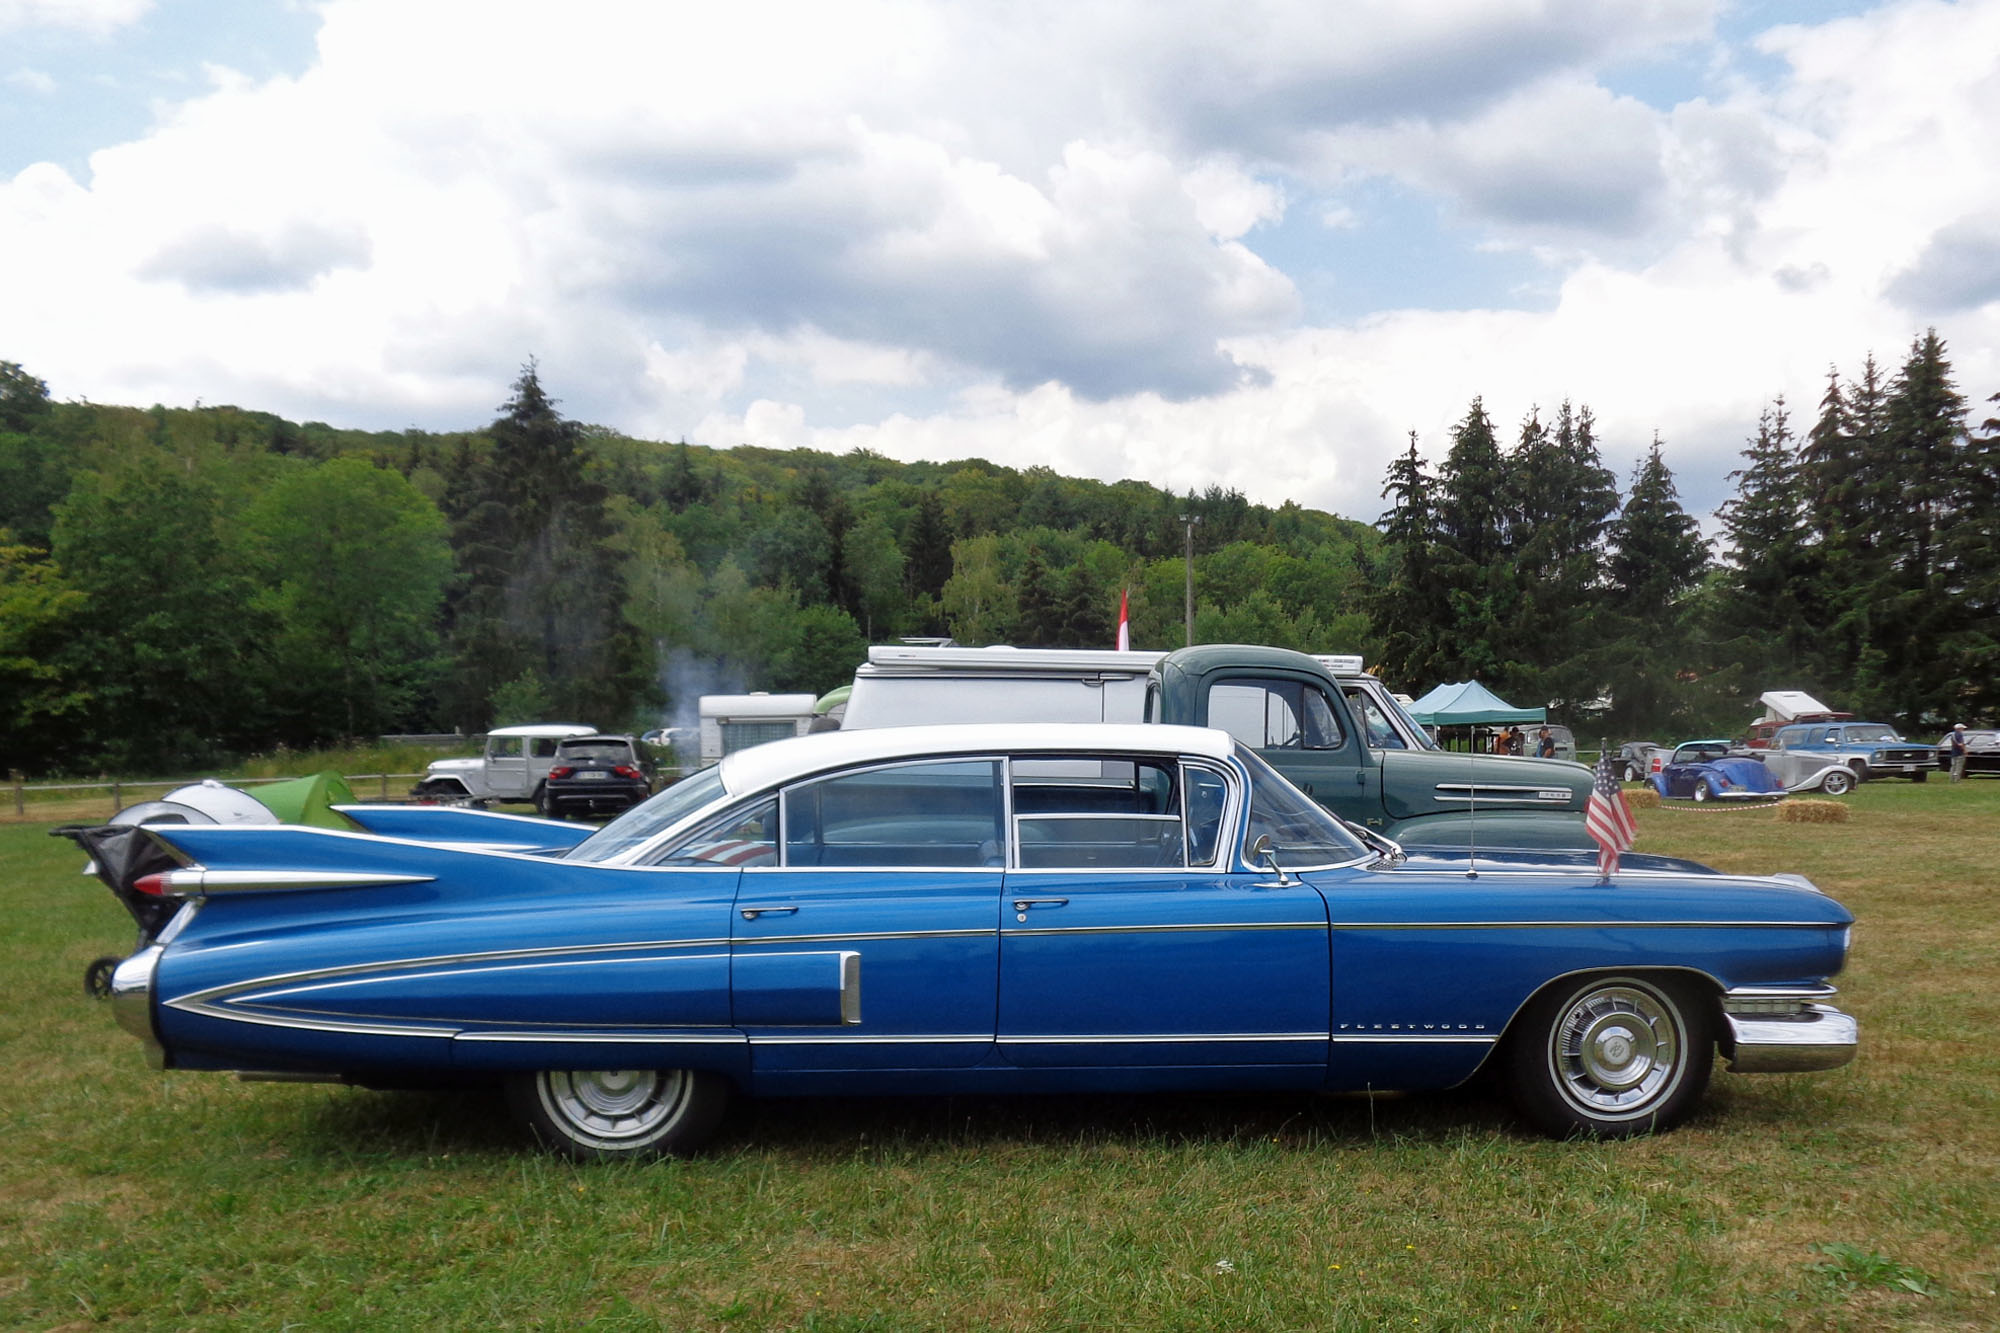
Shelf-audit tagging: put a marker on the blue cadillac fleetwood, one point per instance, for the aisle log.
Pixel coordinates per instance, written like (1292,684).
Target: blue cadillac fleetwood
(957,909)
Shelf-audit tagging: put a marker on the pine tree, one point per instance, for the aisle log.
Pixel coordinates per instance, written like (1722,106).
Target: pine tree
(1657,559)
(1764,614)
(1472,567)
(1406,599)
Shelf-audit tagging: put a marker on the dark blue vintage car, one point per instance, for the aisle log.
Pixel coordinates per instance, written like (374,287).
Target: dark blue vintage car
(1707,771)
(957,909)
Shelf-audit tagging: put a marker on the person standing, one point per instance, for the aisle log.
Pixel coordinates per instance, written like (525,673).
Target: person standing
(1545,745)
(1956,748)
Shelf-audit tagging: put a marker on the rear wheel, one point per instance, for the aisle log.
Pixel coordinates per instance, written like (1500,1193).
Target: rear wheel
(1837,783)
(1610,1057)
(545,806)
(1702,791)
(597,1114)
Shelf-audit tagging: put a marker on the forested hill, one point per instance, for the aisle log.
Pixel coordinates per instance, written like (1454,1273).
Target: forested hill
(178,585)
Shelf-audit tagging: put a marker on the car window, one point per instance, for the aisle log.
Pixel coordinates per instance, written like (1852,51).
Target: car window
(610,752)
(746,837)
(1382,734)
(1302,833)
(650,818)
(936,813)
(1274,714)
(1107,812)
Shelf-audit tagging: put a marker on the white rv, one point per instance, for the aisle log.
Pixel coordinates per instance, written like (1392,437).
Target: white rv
(732,722)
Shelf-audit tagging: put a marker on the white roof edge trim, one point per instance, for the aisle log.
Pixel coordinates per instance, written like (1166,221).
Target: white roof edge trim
(545,729)
(783,761)
(1003,657)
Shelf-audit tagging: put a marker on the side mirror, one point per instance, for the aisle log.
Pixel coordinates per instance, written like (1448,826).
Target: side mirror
(1264,852)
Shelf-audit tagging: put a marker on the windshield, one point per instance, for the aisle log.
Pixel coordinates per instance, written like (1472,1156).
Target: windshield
(650,817)
(1872,734)
(1302,834)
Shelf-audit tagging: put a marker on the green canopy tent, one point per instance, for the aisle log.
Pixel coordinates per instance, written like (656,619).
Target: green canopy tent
(1470,704)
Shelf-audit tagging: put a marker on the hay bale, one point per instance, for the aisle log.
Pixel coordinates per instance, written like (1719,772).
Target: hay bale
(1644,798)
(1812,812)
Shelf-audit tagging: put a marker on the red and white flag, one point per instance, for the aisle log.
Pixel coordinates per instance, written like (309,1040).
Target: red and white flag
(1124,620)
(1608,817)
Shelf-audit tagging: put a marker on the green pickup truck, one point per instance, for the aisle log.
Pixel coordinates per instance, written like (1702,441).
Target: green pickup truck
(1331,728)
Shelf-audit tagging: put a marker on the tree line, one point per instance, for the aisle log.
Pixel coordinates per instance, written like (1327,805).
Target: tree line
(182,585)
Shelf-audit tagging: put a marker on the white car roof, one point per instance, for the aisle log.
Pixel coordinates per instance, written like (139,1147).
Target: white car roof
(545,729)
(782,761)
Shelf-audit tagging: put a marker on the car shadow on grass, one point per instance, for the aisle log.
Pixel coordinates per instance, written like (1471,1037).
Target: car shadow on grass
(352,1123)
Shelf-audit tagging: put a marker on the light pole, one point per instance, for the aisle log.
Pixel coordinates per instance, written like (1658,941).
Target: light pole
(1188,521)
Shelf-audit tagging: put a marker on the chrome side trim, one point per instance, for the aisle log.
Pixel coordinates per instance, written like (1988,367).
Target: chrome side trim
(310,1024)
(1165,929)
(702,1038)
(201,880)
(1160,1039)
(1420,1038)
(863,1039)
(1583,925)
(132,1001)
(1822,1037)
(850,987)
(745,941)
(1493,791)
(255,996)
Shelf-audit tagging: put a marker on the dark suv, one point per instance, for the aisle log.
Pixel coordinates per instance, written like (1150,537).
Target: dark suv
(594,775)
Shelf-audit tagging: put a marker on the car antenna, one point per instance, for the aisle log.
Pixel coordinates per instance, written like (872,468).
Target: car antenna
(1472,817)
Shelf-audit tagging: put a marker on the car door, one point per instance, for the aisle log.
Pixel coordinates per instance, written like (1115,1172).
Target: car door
(1130,937)
(872,945)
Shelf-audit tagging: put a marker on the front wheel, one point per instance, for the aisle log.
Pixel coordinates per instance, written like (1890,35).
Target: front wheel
(1610,1057)
(1837,783)
(1921,775)
(603,1114)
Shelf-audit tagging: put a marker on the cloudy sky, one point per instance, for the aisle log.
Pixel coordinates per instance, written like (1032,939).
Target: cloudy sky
(1251,243)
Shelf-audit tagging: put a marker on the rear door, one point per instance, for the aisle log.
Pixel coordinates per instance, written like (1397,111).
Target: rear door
(872,946)
(1130,939)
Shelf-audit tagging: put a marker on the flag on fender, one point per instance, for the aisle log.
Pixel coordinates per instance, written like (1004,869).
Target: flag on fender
(1608,817)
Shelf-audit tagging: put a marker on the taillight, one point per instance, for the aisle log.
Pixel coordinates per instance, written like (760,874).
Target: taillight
(627,771)
(562,772)
(153,885)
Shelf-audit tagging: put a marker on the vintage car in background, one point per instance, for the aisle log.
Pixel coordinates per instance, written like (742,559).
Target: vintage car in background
(1869,749)
(594,775)
(1982,751)
(968,909)
(1638,760)
(513,767)
(1806,770)
(1707,771)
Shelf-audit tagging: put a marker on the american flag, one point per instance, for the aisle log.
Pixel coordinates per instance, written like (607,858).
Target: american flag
(1608,818)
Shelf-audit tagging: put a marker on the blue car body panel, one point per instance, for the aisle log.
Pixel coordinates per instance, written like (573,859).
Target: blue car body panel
(1728,778)
(927,980)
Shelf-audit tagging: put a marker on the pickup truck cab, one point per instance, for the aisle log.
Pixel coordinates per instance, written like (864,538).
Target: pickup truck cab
(1333,730)
(1871,749)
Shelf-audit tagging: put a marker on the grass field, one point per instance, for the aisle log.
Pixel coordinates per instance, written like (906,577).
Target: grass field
(1867,1198)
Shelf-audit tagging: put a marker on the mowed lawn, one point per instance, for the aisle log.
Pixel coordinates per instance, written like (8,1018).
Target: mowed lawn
(1867,1198)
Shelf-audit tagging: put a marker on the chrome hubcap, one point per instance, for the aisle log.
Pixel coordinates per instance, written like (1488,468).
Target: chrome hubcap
(1617,1051)
(615,1106)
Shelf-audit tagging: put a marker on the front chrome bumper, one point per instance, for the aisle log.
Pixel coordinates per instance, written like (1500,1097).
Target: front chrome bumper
(132,1001)
(1818,1036)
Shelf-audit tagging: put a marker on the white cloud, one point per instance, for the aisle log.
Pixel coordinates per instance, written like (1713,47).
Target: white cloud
(1025,232)
(33,80)
(92,17)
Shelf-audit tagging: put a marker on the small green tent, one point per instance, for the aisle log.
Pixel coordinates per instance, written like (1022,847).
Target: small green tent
(307,800)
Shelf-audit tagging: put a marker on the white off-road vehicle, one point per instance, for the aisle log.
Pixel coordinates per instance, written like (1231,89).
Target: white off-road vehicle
(514,767)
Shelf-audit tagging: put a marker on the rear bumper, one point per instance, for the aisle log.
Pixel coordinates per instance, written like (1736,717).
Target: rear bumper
(132,1001)
(1818,1037)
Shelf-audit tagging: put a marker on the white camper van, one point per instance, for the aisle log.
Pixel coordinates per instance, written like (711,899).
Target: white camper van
(732,722)
(905,686)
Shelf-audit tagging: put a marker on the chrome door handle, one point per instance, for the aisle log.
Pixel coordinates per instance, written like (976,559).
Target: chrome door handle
(752,913)
(1023,904)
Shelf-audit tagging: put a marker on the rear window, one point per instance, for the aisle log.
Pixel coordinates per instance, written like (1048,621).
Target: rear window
(610,752)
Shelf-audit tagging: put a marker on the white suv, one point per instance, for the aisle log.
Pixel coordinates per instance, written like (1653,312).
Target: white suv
(515,764)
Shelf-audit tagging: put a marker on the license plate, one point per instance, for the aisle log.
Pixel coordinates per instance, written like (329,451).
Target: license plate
(589,776)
